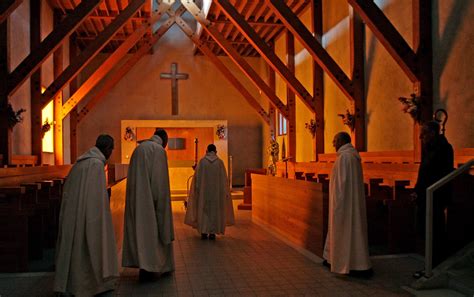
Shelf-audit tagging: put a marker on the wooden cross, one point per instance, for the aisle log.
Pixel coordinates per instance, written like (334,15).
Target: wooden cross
(174,76)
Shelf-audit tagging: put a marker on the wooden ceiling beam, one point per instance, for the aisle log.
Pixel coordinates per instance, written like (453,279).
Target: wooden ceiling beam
(90,51)
(34,60)
(111,17)
(224,70)
(118,74)
(235,57)
(388,35)
(319,54)
(251,9)
(111,61)
(267,53)
(7,7)
(252,23)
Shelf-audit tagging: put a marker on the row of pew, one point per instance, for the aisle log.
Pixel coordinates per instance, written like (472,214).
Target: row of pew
(389,179)
(30,201)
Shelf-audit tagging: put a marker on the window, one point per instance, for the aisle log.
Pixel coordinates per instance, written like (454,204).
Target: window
(282,125)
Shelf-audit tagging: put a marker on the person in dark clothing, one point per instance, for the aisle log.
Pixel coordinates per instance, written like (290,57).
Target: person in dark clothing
(437,159)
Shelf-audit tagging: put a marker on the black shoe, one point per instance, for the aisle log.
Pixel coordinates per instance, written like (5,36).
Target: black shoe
(362,273)
(146,276)
(326,264)
(212,236)
(203,236)
(419,274)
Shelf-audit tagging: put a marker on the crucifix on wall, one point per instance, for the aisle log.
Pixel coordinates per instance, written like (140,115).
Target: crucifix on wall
(174,76)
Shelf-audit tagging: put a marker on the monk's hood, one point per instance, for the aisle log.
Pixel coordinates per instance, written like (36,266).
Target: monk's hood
(348,149)
(211,157)
(94,152)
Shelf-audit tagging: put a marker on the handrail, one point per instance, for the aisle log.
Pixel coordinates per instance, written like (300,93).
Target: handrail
(429,214)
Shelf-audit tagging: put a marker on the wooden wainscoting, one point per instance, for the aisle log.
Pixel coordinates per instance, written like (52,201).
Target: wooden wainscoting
(296,210)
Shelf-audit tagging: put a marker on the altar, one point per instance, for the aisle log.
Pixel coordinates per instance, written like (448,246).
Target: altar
(182,150)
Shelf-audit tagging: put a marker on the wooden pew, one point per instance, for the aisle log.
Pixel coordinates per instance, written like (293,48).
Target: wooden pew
(24,160)
(30,208)
(14,226)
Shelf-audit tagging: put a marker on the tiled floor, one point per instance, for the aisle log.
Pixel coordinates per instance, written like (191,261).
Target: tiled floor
(247,261)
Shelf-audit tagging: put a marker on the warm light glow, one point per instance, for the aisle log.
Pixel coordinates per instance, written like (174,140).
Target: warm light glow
(43,89)
(334,33)
(48,139)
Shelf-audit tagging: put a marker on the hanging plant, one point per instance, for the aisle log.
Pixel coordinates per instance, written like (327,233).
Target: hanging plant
(411,106)
(46,127)
(273,151)
(311,126)
(348,119)
(14,117)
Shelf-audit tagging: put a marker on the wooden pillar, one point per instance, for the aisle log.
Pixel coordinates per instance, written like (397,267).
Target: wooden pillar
(35,83)
(358,79)
(5,131)
(58,101)
(318,78)
(422,45)
(290,97)
(73,121)
(271,109)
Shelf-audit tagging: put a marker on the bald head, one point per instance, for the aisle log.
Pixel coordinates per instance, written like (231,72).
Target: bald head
(340,139)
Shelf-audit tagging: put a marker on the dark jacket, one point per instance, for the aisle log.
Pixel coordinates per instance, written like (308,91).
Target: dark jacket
(437,161)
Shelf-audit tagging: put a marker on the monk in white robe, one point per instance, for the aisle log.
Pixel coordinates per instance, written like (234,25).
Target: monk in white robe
(86,255)
(346,249)
(148,226)
(210,207)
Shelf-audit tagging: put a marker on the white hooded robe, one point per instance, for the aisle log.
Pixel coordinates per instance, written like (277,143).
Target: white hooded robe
(346,245)
(86,255)
(210,207)
(148,226)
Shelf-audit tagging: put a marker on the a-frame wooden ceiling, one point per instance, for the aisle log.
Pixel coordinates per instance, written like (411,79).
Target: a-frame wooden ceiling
(257,13)
(101,18)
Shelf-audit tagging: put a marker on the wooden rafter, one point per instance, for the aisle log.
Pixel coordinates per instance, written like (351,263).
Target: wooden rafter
(7,7)
(5,131)
(290,96)
(224,70)
(111,61)
(388,35)
(118,74)
(35,84)
(235,57)
(266,52)
(314,47)
(50,44)
(318,78)
(357,62)
(90,52)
